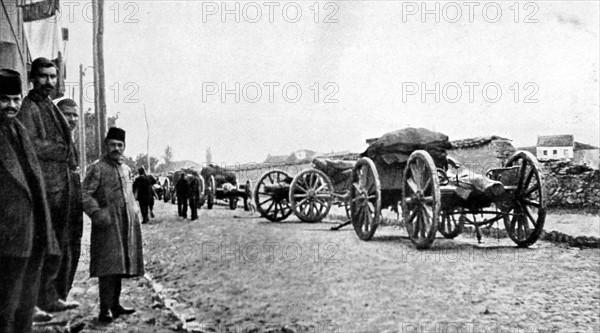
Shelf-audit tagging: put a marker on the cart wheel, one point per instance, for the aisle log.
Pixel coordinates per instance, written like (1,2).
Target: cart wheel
(271,196)
(524,220)
(421,199)
(201,191)
(311,195)
(210,192)
(365,198)
(451,224)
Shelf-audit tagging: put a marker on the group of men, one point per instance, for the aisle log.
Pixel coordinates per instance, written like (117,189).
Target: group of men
(42,201)
(187,190)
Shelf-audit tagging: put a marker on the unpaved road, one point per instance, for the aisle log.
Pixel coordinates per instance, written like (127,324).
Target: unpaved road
(238,272)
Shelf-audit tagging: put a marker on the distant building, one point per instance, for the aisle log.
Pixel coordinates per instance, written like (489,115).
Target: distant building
(555,147)
(564,147)
(297,156)
(276,159)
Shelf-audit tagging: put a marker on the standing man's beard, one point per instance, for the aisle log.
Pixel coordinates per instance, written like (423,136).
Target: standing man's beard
(47,88)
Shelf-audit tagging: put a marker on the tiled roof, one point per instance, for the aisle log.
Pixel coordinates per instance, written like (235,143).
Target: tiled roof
(565,140)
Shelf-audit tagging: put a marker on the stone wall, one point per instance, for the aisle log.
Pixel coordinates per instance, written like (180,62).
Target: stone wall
(571,186)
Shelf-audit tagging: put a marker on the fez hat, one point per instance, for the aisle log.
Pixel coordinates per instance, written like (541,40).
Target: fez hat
(115,133)
(10,82)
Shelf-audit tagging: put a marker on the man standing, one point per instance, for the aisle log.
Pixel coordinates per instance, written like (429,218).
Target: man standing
(51,138)
(116,240)
(74,228)
(182,190)
(194,196)
(142,187)
(26,233)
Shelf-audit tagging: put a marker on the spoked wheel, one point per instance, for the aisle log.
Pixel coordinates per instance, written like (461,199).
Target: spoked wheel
(311,195)
(451,223)
(211,190)
(421,199)
(527,213)
(271,196)
(201,191)
(365,199)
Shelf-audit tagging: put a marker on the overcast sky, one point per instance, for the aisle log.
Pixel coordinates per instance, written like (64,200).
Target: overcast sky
(370,59)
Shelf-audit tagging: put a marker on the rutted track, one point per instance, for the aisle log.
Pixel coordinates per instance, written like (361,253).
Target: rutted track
(246,273)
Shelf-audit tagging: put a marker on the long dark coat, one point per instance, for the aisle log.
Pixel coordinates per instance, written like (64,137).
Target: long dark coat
(116,248)
(19,228)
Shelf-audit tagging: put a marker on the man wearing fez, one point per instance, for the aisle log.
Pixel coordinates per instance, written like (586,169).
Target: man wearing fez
(26,233)
(51,138)
(74,228)
(116,241)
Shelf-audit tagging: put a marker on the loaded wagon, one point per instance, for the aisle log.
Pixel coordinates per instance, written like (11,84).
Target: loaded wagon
(222,185)
(409,169)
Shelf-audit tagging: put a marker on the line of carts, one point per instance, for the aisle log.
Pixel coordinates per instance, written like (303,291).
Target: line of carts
(409,172)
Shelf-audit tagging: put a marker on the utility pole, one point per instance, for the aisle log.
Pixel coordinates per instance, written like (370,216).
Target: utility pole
(81,123)
(99,88)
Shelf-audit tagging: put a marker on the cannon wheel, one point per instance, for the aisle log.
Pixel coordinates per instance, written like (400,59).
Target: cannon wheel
(202,187)
(311,195)
(211,190)
(451,225)
(272,208)
(421,199)
(528,205)
(365,199)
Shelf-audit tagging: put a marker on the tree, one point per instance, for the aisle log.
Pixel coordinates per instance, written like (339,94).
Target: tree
(142,161)
(168,156)
(208,155)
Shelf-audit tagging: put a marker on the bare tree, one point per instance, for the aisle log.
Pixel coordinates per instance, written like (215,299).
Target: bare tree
(168,156)
(208,155)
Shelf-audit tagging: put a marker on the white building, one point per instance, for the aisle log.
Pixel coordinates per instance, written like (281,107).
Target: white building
(555,147)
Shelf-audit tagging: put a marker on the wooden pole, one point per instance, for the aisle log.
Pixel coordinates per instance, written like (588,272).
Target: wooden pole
(99,86)
(82,132)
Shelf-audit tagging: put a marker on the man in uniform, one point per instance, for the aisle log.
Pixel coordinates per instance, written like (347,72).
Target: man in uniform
(74,229)
(116,240)
(51,138)
(26,233)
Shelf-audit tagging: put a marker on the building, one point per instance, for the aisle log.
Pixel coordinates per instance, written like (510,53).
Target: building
(555,147)
(564,147)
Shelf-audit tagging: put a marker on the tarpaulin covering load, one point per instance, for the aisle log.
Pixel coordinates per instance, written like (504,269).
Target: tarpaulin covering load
(396,146)
(340,172)
(221,175)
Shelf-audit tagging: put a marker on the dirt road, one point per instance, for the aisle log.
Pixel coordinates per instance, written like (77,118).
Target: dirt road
(240,273)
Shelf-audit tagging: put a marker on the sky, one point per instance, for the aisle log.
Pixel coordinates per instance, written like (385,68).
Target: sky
(327,75)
